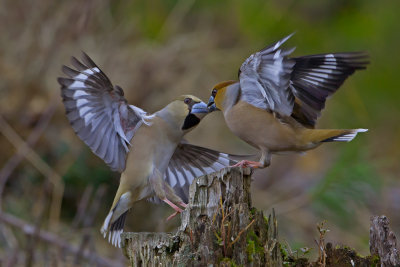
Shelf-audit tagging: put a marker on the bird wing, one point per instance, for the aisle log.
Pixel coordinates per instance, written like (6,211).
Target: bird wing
(189,162)
(265,77)
(316,77)
(98,111)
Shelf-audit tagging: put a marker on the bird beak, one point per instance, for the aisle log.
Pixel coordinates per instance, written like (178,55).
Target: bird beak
(211,104)
(199,108)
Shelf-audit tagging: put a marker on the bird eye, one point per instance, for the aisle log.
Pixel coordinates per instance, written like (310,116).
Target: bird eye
(214,92)
(187,100)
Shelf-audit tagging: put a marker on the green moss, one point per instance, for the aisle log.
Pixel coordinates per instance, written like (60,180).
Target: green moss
(219,240)
(284,252)
(254,246)
(253,211)
(374,260)
(250,249)
(266,220)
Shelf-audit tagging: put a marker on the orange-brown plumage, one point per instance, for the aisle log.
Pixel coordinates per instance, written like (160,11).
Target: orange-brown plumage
(275,103)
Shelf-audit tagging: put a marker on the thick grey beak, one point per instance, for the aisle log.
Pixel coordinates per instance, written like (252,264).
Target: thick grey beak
(199,108)
(211,105)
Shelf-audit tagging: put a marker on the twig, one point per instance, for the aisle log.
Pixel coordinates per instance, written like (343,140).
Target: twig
(241,232)
(321,244)
(84,243)
(12,243)
(13,258)
(29,229)
(89,219)
(176,15)
(32,240)
(14,161)
(42,166)
(9,236)
(96,203)
(224,237)
(82,206)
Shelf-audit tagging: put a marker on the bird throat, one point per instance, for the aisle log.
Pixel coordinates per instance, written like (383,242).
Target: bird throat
(191,120)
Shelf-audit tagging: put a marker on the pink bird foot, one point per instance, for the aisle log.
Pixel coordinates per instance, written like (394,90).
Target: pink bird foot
(248,163)
(175,207)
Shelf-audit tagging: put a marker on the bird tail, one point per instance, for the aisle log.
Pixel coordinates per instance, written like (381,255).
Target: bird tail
(114,229)
(317,136)
(114,223)
(345,136)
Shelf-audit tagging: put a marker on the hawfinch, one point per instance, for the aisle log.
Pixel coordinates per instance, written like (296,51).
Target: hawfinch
(277,100)
(148,150)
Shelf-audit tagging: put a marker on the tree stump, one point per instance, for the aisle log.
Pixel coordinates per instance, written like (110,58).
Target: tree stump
(219,227)
(383,242)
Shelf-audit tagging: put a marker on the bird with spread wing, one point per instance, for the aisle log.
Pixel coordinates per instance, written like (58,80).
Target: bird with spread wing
(276,101)
(147,149)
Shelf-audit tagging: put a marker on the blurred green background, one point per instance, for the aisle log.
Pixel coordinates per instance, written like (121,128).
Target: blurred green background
(156,50)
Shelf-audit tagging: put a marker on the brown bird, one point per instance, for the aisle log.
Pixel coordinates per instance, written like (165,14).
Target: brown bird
(148,149)
(277,100)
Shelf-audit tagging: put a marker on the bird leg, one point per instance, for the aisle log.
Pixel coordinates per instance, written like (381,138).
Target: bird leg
(265,159)
(248,163)
(264,162)
(172,198)
(172,215)
(183,204)
(175,207)
(172,205)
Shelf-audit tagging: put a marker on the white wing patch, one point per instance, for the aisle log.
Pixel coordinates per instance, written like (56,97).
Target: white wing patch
(91,71)
(189,162)
(81,101)
(265,79)
(99,113)
(77,84)
(314,78)
(330,57)
(79,93)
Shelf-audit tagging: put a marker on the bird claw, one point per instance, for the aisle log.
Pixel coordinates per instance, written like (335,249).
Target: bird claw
(248,163)
(176,211)
(172,215)
(172,205)
(183,204)
(175,207)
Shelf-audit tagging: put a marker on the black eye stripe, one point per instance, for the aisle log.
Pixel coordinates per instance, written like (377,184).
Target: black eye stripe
(214,92)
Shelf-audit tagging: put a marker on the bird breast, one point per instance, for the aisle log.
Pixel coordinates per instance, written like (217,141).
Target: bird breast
(152,147)
(260,128)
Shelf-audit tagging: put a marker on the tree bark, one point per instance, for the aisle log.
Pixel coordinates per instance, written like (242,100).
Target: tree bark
(383,242)
(219,227)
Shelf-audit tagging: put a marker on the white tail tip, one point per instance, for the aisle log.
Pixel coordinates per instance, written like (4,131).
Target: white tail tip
(350,136)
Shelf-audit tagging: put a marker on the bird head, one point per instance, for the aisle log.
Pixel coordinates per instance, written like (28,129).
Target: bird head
(186,112)
(218,94)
